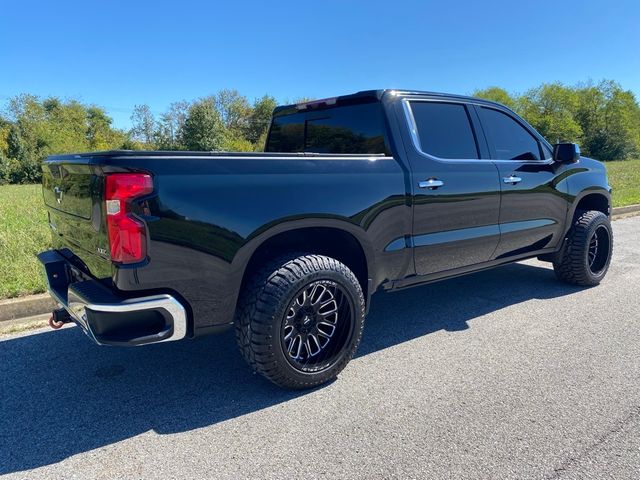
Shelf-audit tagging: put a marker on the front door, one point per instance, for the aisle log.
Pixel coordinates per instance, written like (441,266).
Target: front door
(456,194)
(534,205)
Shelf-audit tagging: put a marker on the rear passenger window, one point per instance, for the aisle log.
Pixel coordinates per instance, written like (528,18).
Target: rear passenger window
(511,141)
(444,130)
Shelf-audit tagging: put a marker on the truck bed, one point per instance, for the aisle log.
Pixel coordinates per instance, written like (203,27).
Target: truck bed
(209,210)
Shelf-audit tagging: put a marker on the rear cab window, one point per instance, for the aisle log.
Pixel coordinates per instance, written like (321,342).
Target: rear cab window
(358,128)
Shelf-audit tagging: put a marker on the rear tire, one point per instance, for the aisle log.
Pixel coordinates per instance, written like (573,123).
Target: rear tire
(300,319)
(587,253)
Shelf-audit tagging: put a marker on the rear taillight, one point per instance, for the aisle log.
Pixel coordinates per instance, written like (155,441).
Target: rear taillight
(127,235)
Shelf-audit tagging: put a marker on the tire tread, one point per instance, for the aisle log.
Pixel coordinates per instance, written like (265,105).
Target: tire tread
(571,267)
(260,300)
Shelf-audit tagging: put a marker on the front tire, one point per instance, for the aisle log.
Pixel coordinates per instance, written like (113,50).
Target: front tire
(586,256)
(300,319)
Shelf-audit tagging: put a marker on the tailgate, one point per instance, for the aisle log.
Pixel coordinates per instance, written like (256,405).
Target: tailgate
(72,192)
(67,188)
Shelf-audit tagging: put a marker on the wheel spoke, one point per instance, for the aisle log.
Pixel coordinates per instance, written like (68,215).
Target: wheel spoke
(295,346)
(312,339)
(316,325)
(322,336)
(593,249)
(299,351)
(599,249)
(328,308)
(302,298)
(327,329)
(290,346)
(316,293)
(307,350)
(290,330)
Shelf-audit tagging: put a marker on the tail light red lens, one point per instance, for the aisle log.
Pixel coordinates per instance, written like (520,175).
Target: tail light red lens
(127,234)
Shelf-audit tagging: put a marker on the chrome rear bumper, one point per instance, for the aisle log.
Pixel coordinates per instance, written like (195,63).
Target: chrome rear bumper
(104,315)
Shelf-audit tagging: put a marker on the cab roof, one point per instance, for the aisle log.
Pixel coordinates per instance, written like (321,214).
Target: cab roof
(366,96)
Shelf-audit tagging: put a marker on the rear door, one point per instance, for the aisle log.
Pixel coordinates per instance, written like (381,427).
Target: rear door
(534,203)
(456,192)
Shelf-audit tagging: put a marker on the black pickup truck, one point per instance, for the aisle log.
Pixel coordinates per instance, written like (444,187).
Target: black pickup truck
(381,189)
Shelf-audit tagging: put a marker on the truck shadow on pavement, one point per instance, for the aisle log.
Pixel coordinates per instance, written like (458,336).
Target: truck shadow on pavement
(61,395)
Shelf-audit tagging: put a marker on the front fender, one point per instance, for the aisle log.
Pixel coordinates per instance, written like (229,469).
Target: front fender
(587,177)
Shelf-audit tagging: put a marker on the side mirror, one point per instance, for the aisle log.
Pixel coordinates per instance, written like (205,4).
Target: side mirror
(566,152)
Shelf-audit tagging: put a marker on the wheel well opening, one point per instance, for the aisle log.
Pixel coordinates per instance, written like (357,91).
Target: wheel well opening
(594,201)
(331,242)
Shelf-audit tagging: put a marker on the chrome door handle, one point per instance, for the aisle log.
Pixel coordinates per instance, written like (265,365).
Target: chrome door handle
(512,179)
(431,184)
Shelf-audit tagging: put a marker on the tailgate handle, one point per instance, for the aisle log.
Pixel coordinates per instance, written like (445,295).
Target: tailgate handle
(59,192)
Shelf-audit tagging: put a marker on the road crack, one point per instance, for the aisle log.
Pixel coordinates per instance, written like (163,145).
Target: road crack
(574,460)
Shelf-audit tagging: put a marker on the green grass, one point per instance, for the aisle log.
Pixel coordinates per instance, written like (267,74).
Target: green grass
(24,231)
(23,234)
(624,178)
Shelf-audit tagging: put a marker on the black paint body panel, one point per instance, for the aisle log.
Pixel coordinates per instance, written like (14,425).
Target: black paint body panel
(209,212)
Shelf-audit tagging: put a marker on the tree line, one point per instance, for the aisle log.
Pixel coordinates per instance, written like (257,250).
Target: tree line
(31,128)
(603,118)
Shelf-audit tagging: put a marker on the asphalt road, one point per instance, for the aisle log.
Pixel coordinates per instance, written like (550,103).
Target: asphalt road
(502,374)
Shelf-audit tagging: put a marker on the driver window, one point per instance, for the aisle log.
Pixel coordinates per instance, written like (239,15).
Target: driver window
(511,141)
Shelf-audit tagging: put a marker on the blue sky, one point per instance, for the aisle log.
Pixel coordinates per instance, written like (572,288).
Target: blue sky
(118,54)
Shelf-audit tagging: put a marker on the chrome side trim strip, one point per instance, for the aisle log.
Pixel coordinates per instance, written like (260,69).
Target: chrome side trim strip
(471,233)
(415,138)
(459,235)
(511,227)
(395,245)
